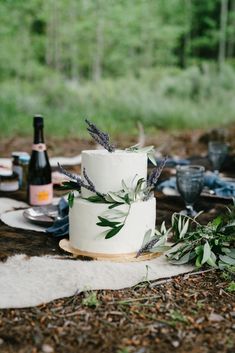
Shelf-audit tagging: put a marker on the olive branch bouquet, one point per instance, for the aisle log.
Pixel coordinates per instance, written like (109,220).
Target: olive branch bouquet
(212,244)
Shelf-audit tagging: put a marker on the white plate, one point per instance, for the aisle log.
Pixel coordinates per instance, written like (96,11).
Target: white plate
(7,204)
(16,219)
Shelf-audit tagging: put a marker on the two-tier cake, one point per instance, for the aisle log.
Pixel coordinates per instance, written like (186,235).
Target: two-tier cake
(113,214)
(112,173)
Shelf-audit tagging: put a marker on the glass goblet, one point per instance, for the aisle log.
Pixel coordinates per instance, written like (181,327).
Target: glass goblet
(190,181)
(217,152)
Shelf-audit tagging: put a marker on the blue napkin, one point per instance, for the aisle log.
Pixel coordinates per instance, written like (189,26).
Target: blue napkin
(169,183)
(60,227)
(173,162)
(221,187)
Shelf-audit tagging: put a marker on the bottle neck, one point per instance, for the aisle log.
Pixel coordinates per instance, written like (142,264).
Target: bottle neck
(38,135)
(38,141)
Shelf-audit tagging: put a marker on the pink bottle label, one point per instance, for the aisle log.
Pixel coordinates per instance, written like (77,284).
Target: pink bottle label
(40,147)
(40,194)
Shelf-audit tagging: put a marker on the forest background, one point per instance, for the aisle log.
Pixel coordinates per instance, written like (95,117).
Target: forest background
(169,64)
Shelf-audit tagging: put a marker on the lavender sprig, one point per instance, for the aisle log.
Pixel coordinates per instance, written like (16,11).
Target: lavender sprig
(73,177)
(154,176)
(99,136)
(90,186)
(147,247)
(80,183)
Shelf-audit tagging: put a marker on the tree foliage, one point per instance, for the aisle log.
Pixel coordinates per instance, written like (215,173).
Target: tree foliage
(86,39)
(116,61)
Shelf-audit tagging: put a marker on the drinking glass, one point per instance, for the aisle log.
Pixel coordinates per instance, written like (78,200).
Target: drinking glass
(217,152)
(190,180)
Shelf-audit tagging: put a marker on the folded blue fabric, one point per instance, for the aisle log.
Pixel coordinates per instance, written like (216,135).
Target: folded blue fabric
(169,183)
(63,207)
(221,187)
(173,162)
(60,227)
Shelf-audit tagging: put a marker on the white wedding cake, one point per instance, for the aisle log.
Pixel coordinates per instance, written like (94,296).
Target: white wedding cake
(115,226)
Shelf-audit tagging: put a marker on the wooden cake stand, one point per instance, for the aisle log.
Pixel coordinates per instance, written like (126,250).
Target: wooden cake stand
(131,257)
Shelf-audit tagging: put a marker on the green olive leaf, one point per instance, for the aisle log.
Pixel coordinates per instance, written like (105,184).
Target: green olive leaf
(147,237)
(182,260)
(228,260)
(114,197)
(206,253)
(106,223)
(184,229)
(113,232)
(71,199)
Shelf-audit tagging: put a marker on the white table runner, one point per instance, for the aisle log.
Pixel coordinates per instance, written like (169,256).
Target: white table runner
(27,282)
(30,281)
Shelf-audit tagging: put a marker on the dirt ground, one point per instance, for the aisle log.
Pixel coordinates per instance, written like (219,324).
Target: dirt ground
(189,313)
(182,144)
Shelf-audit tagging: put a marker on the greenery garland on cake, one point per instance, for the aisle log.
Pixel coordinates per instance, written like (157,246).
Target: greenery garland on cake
(114,219)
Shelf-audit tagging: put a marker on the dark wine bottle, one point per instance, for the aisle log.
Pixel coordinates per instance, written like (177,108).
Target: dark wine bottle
(40,188)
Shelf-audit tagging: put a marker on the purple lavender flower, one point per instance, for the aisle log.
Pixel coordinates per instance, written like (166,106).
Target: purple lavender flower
(92,186)
(100,137)
(154,176)
(74,177)
(147,247)
(78,180)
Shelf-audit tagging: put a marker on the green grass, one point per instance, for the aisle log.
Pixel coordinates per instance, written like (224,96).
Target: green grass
(231,287)
(160,98)
(91,300)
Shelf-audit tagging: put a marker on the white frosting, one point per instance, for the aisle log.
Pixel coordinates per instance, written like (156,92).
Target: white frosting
(107,169)
(85,235)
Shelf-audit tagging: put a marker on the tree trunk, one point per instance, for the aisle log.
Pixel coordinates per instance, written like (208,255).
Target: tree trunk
(49,30)
(187,35)
(99,46)
(56,40)
(74,55)
(231,41)
(223,26)
(53,50)
(146,38)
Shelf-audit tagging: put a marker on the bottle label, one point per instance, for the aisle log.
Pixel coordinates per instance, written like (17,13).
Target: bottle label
(39,147)
(40,194)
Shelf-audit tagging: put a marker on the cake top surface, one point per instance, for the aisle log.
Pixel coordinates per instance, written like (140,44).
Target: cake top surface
(107,153)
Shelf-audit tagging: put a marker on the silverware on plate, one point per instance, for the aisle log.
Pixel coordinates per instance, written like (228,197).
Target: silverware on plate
(42,215)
